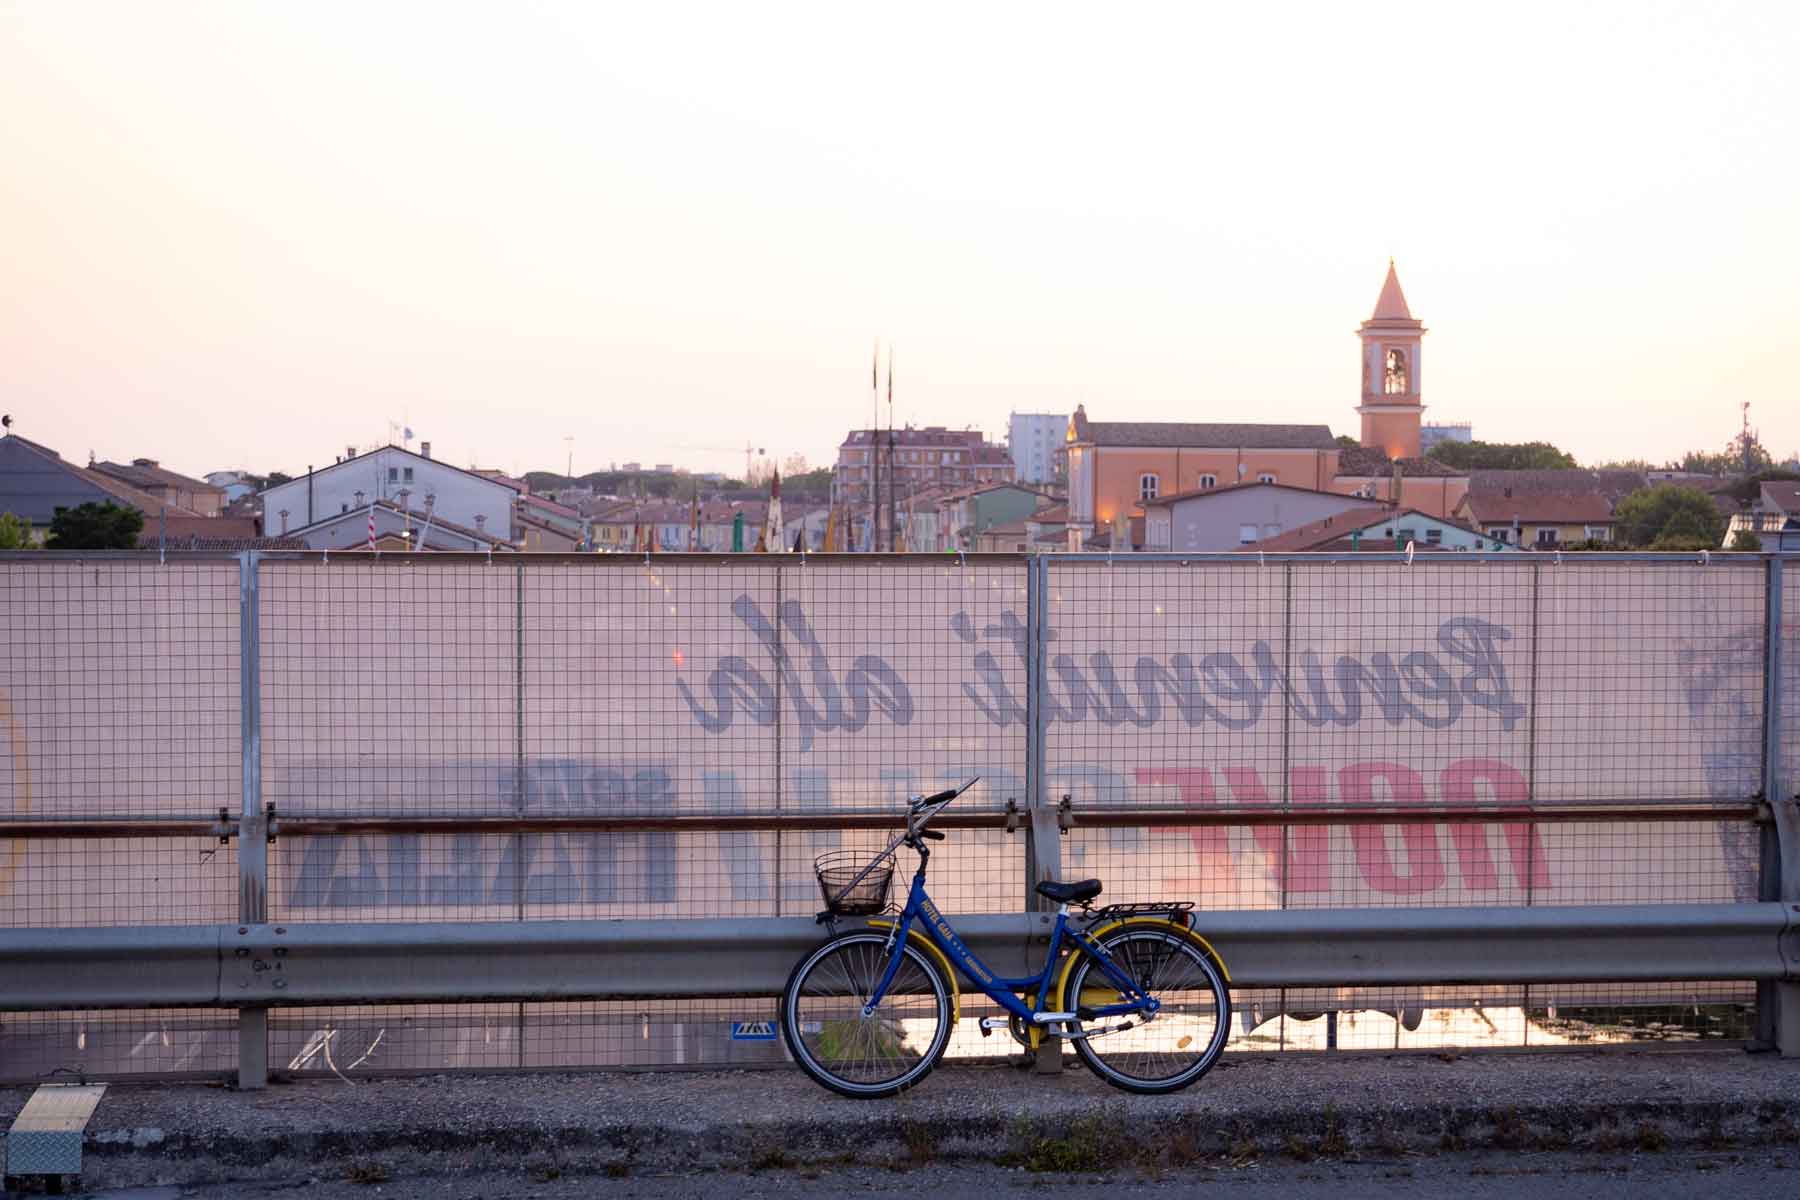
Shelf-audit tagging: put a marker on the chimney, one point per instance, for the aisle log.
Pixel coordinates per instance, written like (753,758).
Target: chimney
(349,453)
(424,449)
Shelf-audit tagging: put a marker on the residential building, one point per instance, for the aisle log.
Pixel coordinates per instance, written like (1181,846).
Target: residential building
(1033,440)
(1380,528)
(1546,509)
(168,487)
(1776,508)
(914,460)
(1043,531)
(964,516)
(36,482)
(399,478)
(396,530)
(235,484)
(1243,515)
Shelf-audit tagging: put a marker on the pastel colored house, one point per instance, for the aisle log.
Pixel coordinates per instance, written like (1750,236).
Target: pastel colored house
(1233,517)
(1381,528)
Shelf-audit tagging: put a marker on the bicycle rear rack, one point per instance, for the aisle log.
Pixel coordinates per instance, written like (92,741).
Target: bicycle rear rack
(1181,912)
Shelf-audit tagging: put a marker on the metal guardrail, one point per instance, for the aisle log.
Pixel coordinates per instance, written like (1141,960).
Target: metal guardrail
(1105,817)
(291,965)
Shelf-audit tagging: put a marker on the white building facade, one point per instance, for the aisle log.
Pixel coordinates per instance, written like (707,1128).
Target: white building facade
(1032,439)
(399,477)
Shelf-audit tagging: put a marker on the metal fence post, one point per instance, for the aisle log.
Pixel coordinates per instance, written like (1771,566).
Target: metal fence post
(1777,1002)
(253,842)
(1043,836)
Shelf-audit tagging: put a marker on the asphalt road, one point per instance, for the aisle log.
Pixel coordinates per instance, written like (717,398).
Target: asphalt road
(1668,1176)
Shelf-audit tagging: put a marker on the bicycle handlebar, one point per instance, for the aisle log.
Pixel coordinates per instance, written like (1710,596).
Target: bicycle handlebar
(924,808)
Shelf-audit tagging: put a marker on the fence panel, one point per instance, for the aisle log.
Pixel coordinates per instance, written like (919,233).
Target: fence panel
(118,700)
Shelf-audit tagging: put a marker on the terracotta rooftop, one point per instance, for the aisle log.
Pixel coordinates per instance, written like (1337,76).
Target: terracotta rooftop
(1237,487)
(1490,508)
(1782,495)
(1363,462)
(146,473)
(1613,485)
(1201,436)
(1306,537)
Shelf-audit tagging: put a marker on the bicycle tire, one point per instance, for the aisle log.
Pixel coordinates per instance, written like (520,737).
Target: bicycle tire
(866,1058)
(1182,1041)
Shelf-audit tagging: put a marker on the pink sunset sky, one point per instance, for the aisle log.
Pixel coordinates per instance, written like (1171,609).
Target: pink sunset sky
(248,234)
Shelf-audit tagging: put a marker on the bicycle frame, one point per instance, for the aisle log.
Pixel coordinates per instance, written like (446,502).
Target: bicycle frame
(1001,990)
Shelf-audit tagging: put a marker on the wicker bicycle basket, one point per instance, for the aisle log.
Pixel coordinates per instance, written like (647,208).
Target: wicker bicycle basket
(847,896)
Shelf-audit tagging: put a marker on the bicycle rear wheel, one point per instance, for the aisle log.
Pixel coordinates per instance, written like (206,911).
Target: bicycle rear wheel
(1179,1043)
(871,1056)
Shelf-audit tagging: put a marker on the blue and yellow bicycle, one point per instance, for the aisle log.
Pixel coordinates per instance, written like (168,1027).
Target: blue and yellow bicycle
(868,1014)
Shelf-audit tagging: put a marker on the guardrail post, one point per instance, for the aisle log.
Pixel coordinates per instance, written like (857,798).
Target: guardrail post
(1777,1001)
(1043,835)
(253,842)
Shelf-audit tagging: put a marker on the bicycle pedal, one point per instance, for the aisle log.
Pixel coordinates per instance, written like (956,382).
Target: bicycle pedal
(989,1024)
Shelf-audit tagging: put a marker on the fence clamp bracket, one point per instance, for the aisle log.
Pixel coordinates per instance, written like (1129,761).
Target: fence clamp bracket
(224,829)
(1012,814)
(269,821)
(1065,813)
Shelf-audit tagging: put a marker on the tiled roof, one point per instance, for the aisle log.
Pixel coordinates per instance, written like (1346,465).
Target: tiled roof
(1204,436)
(1161,501)
(1785,496)
(1614,485)
(1363,462)
(146,473)
(1310,535)
(1559,508)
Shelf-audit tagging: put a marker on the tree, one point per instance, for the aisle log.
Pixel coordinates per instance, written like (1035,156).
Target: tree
(14,533)
(1743,539)
(1640,465)
(1346,442)
(1669,517)
(276,478)
(95,527)
(1501,456)
(1731,460)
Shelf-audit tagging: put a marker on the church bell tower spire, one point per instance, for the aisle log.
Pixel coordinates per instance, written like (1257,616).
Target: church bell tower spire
(1391,407)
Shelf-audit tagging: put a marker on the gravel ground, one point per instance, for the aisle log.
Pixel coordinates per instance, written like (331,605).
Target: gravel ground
(1753,1175)
(1295,1108)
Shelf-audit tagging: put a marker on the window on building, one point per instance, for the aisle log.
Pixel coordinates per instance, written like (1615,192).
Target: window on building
(407,474)
(1246,535)
(1500,533)
(1546,537)
(1434,536)
(1395,383)
(1147,487)
(1209,481)
(1408,535)
(1266,477)
(393,474)
(1270,531)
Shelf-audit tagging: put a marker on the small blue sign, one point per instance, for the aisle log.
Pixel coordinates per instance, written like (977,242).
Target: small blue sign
(753,1031)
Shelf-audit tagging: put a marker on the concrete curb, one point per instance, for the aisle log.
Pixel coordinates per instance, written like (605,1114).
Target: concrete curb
(1296,1107)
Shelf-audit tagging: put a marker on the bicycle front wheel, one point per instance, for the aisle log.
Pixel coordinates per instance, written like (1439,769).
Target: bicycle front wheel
(874,1055)
(1165,1051)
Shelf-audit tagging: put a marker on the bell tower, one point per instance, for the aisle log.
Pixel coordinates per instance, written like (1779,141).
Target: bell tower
(1391,409)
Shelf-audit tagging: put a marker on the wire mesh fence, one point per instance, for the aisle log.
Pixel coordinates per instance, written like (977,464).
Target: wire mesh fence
(703,727)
